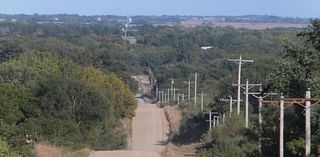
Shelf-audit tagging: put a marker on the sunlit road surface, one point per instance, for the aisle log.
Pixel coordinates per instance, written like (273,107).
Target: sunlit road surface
(149,133)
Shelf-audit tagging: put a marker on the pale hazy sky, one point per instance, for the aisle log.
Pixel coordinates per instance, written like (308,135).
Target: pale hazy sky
(293,8)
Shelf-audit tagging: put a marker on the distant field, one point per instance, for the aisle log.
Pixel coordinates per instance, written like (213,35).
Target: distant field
(253,26)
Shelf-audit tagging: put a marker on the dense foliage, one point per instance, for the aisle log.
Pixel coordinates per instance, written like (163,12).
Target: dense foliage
(57,101)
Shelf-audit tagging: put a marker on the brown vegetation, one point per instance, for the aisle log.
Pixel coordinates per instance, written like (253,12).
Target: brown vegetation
(174,116)
(45,150)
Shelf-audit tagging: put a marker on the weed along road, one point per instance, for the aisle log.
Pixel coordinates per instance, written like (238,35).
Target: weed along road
(149,133)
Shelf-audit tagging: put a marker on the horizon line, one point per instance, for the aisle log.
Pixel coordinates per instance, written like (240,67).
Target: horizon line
(194,15)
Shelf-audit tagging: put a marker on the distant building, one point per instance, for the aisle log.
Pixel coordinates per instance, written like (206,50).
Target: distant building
(2,20)
(99,19)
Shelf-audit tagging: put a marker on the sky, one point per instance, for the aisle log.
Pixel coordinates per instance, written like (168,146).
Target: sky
(287,8)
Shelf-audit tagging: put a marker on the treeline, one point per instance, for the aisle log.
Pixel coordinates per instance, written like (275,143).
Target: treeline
(55,100)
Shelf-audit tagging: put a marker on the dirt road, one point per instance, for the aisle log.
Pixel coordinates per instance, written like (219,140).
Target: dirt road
(149,132)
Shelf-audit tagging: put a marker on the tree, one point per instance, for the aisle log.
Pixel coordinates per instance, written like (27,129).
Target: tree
(298,71)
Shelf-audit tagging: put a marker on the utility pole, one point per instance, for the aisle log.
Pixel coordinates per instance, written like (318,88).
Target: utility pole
(210,121)
(195,87)
(159,97)
(260,96)
(172,83)
(162,96)
(174,93)
(281,125)
(157,92)
(165,97)
(247,87)
(305,103)
(247,100)
(183,97)
(240,62)
(168,96)
(308,125)
(189,89)
(223,117)
(231,101)
(202,100)
(216,121)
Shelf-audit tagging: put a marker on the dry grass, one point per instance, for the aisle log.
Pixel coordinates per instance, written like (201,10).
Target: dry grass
(174,116)
(246,25)
(179,151)
(45,150)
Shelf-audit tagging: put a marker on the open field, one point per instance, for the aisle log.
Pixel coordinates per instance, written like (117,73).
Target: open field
(237,25)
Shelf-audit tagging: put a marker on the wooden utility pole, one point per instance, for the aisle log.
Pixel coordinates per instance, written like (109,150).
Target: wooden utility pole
(189,89)
(165,97)
(260,96)
(157,92)
(172,88)
(305,103)
(183,97)
(202,100)
(281,125)
(210,121)
(214,121)
(223,117)
(231,101)
(168,95)
(162,96)
(174,93)
(308,125)
(195,88)
(240,62)
(247,87)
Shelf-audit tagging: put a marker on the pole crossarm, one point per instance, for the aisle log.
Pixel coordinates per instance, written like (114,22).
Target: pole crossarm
(243,86)
(174,89)
(187,82)
(263,95)
(294,101)
(228,100)
(212,113)
(242,61)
